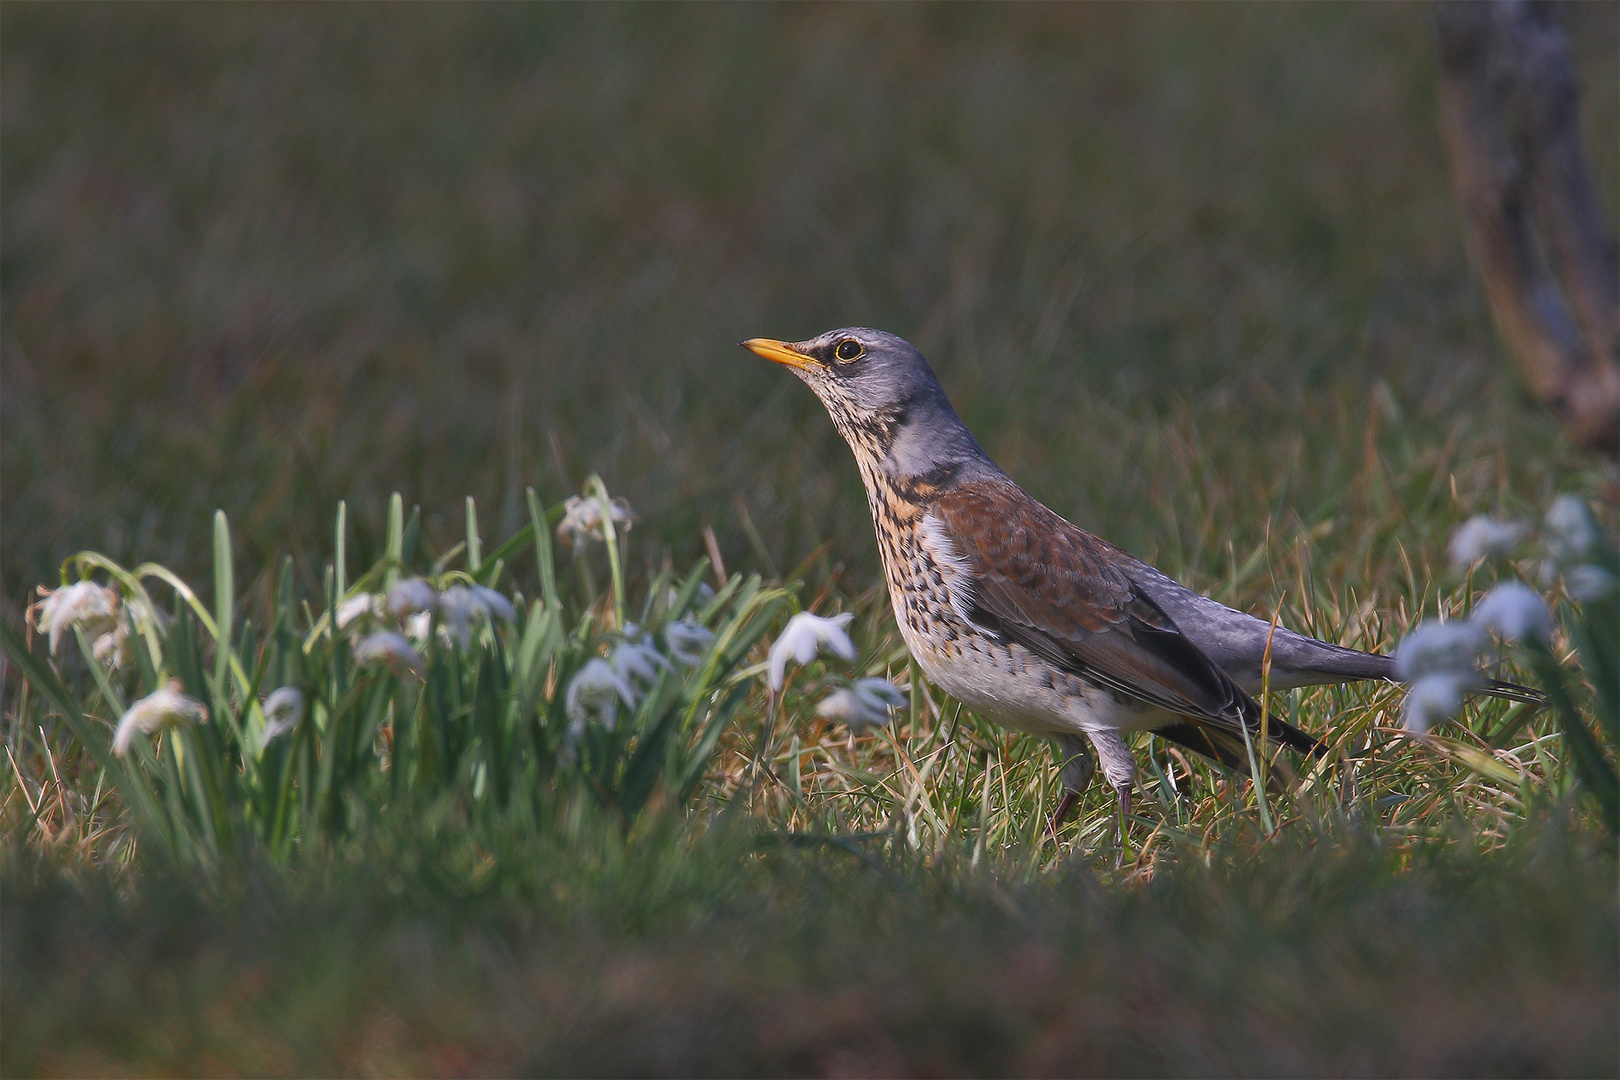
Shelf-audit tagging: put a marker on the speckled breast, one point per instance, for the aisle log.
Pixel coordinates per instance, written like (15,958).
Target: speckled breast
(1004,682)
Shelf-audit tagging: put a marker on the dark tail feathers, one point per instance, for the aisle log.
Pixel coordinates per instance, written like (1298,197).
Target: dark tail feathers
(1226,747)
(1515,692)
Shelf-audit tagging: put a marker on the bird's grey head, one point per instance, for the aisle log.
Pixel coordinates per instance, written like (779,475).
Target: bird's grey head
(883,398)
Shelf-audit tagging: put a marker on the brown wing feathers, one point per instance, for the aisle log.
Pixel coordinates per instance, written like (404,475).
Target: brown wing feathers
(1058,591)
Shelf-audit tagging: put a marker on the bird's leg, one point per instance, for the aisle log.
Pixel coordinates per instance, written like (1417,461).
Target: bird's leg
(1119,766)
(1077,769)
(1124,824)
(1064,807)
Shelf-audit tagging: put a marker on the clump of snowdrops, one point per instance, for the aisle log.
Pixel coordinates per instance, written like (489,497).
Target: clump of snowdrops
(1567,551)
(425,687)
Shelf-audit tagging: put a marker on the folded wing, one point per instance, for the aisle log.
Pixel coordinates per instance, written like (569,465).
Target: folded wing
(1031,577)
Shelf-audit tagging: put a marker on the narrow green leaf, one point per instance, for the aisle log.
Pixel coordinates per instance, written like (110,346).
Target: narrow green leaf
(598,490)
(1596,633)
(541,523)
(689,588)
(340,548)
(395,552)
(413,532)
(1593,769)
(114,700)
(224,598)
(475,547)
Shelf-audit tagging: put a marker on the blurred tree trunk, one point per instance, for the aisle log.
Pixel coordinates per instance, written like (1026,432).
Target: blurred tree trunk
(1509,106)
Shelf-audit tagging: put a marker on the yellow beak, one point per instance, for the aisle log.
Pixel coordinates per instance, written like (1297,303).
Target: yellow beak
(779,352)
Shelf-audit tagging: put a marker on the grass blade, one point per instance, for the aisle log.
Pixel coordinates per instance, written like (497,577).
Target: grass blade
(224,598)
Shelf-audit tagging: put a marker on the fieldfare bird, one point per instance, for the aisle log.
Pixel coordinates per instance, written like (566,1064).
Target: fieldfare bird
(1032,621)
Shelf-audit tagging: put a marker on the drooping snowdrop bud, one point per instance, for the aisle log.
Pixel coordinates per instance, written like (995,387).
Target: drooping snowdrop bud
(639,662)
(85,604)
(462,607)
(282,711)
(687,641)
(803,637)
(412,596)
(495,605)
(1588,582)
(115,650)
(419,626)
(1433,698)
(393,651)
(1571,533)
(1483,537)
(458,608)
(582,519)
(866,704)
(1439,648)
(157,711)
(1516,612)
(358,606)
(597,688)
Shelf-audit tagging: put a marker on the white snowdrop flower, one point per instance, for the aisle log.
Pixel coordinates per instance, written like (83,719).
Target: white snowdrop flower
(392,650)
(582,518)
(418,627)
(1434,698)
(803,637)
(157,711)
(597,688)
(112,650)
(357,606)
(1515,611)
(1571,532)
(639,662)
(494,604)
(687,641)
(412,596)
(85,603)
(1484,537)
(1439,648)
(458,607)
(1588,582)
(866,704)
(117,649)
(462,606)
(282,711)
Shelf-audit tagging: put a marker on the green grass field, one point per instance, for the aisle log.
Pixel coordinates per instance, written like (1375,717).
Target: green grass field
(1194,276)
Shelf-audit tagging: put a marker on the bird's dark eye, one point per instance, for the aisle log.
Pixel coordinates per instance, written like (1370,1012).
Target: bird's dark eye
(849,349)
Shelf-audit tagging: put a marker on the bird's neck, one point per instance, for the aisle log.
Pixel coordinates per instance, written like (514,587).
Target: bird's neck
(913,452)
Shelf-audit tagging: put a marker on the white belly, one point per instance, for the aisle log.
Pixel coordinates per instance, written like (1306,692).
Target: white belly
(1011,686)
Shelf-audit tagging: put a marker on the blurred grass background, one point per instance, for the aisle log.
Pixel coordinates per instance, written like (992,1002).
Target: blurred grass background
(719,961)
(1164,258)
(1192,273)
